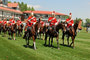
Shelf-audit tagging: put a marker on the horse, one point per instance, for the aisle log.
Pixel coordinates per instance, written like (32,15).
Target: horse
(20,30)
(42,31)
(12,30)
(72,33)
(54,33)
(0,28)
(32,33)
(5,28)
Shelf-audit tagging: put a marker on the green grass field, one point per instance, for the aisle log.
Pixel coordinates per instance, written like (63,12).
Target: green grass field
(15,50)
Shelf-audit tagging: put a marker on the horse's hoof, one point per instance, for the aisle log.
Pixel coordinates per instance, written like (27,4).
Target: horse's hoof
(49,45)
(14,39)
(63,44)
(34,48)
(44,44)
(69,45)
(23,37)
(58,48)
(73,47)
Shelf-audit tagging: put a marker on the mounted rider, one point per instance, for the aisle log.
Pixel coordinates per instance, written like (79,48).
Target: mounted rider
(4,22)
(30,22)
(41,22)
(19,22)
(52,21)
(11,21)
(70,21)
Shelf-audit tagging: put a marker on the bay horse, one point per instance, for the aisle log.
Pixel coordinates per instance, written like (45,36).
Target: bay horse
(20,30)
(5,29)
(42,31)
(72,32)
(12,30)
(32,33)
(54,33)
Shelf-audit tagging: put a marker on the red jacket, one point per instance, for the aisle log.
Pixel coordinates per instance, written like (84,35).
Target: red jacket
(19,22)
(0,21)
(70,22)
(42,23)
(30,21)
(53,21)
(11,22)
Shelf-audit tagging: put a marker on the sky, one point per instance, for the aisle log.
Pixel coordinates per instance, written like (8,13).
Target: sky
(78,8)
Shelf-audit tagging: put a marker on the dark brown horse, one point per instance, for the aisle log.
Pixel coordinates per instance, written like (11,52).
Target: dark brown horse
(54,33)
(4,29)
(12,30)
(32,33)
(20,30)
(72,32)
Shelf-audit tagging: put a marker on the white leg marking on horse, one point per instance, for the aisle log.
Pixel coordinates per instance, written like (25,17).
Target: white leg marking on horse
(34,46)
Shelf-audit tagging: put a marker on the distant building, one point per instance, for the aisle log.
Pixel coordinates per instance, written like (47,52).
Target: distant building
(44,14)
(7,10)
(14,6)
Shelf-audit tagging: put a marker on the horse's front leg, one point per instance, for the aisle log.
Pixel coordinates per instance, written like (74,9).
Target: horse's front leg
(28,41)
(68,40)
(11,35)
(0,30)
(72,41)
(40,35)
(45,38)
(57,42)
(51,41)
(63,37)
(34,44)
(14,36)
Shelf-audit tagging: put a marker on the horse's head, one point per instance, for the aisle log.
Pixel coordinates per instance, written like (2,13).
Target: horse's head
(61,26)
(37,27)
(79,25)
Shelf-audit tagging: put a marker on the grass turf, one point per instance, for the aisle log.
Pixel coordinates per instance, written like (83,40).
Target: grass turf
(16,50)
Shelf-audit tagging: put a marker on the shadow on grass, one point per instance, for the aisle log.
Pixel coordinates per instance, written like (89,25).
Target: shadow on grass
(11,39)
(66,45)
(28,46)
(49,46)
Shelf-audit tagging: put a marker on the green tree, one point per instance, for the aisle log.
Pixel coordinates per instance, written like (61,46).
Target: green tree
(15,2)
(32,9)
(87,20)
(28,8)
(9,1)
